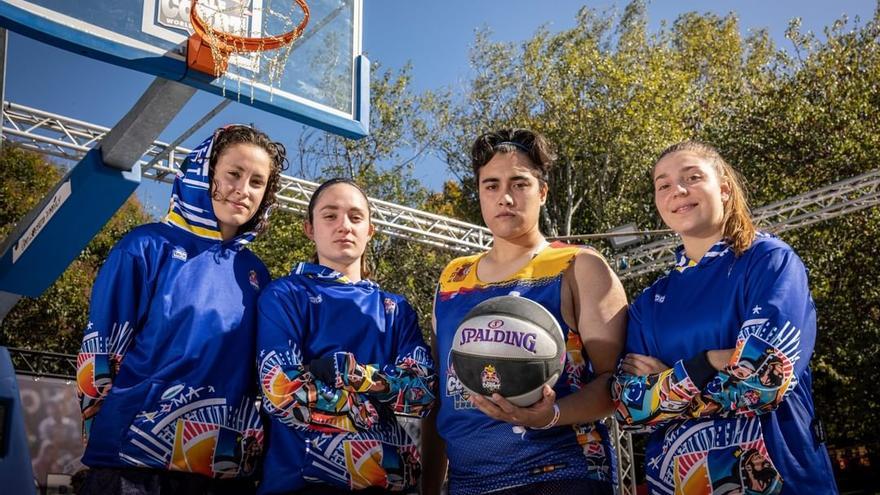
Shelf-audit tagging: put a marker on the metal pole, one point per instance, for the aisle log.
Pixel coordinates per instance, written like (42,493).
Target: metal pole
(3,46)
(128,140)
(7,302)
(187,133)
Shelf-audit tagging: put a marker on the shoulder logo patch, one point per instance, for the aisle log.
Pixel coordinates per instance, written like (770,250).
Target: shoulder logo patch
(252,278)
(390,305)
(179,254)
(461,272)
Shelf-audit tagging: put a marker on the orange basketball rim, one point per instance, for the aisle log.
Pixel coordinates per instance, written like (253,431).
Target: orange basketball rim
(207,43)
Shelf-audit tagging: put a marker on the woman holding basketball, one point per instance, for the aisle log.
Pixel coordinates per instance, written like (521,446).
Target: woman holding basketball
(735,319)
(338,359)
(554,446)
(165,373)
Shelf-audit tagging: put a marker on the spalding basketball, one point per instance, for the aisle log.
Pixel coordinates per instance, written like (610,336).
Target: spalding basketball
(510,345)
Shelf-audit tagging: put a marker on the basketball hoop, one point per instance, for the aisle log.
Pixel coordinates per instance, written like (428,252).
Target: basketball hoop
(209,48)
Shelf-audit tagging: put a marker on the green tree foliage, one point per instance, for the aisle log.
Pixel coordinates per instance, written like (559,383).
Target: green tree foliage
(284,244)
(55,320)
(610,96)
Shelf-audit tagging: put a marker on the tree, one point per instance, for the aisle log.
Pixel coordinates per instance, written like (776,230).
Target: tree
(55,320)
(609,96)
(817,123)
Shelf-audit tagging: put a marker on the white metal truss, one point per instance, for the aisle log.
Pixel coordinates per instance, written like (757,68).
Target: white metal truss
(625,467)
(840,198)
(70,139)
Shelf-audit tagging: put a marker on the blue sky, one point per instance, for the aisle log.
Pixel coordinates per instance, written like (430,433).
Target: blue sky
(433,36)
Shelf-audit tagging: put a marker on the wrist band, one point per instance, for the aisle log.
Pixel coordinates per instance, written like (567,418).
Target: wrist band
(553,421)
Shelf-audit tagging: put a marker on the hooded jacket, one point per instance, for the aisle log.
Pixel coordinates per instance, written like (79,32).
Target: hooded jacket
(166,370)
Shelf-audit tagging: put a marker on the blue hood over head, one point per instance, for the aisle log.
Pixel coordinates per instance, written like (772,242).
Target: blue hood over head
(191,208)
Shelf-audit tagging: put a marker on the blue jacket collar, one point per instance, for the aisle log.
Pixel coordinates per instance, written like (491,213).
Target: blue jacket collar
(682,262)
(326,274)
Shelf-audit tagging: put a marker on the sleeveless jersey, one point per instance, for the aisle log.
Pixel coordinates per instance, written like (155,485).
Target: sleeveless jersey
(485,454)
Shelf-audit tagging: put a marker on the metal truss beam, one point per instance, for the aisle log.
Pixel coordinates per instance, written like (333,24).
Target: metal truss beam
(70,139)
(43,364)
(623,447)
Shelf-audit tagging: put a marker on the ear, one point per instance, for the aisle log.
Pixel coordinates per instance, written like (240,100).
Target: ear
(544,189)
(309,229)
(371,231)
(725,191)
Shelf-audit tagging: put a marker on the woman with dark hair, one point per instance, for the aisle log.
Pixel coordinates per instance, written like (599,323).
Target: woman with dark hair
(165,372)
(734,413)
(558,445)
(339,358)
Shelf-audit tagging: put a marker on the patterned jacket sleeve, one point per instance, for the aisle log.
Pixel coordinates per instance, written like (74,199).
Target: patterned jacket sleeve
(290,393)
(647,400)
(120,298)
(774,344)
(407,385)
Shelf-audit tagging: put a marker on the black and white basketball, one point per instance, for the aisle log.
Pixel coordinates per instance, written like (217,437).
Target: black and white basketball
(510,345)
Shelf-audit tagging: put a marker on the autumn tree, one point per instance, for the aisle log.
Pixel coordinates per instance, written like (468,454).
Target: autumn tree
(54,321)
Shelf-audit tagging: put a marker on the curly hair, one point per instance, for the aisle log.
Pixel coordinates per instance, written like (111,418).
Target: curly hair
(243,134)
(532,143)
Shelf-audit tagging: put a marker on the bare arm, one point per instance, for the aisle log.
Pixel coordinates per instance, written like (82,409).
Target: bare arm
(599,304)
(593,302)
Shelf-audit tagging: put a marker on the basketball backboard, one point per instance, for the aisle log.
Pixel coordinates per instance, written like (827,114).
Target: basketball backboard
(324,84)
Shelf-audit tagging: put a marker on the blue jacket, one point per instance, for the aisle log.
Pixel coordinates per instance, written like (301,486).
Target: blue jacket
(165,372)
(747,427)
(342,433)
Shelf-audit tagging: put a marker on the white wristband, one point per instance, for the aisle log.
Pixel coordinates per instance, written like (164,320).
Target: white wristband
(553,421)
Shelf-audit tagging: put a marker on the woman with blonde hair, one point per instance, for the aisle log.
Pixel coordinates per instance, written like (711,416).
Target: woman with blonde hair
(733,412)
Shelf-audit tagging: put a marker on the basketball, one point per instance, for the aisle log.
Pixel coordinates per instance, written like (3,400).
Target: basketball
(510,345)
